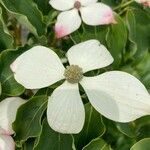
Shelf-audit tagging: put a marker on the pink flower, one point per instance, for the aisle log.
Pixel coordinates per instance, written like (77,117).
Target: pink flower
(69,20)
(144,2)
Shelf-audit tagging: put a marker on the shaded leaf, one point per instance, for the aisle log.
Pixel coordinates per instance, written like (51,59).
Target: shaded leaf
(0,89)
(87,32)
(51,140)
(44,6)
(27,13)
(144,144)
(116,40)
(111,3)
(97,144)
(93,127)
(29,144)
(28,119)
(138,25)
(9,85)
(6,40)
(127,129)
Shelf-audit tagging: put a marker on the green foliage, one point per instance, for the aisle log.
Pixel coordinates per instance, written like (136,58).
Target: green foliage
(93,127)
(138,35)
(28,120)
(97,144)
(26,23)
(116,40)
(6,40)
(141,145)
(9,86)
(49,139)
(27,13)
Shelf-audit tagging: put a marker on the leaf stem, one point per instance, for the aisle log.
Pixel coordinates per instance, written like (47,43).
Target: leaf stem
(124,5)
(72,39)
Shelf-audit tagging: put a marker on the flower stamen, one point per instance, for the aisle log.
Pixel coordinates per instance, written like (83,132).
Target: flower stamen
(73,74)
(77,5)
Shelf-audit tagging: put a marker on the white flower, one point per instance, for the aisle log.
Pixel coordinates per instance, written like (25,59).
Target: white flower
(116,95)
(144,2)
(8,110)
(69,20)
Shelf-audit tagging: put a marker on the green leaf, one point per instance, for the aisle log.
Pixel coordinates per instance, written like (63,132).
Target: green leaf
(138,25)
(111,3)
(144,144)
(0,89)
(9,85)
(143,125)
(142,68)
(116,40)
(93,127)
(27,13)
(28,119)
(97,144)
(6,40)
(51,140)
(143,121)
(29,144)
(44,6)
(87,33)
(114,137)
(127,129)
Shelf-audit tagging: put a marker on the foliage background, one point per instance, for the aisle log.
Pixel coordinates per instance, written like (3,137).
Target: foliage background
(26,23)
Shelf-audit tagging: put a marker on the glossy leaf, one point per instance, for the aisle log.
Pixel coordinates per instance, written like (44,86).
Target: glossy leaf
(88,32)
(29,144)
(112,3)
(143,126)
(127,129)
(28,119)
(27,14)
(138,25)
(6,40)
(97,144)
(0,89)
(143,70)
(51,140)
(43,5)
(116,40)
(93,127)
(144,144)
(9,85)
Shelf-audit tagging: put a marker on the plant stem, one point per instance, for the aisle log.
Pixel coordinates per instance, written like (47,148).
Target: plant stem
(124,5)
(72,39)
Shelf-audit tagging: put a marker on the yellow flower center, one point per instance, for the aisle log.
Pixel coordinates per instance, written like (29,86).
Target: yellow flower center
(73,73)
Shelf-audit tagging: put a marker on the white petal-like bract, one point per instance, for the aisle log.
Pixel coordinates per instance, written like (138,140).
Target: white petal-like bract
(65,110)
(87,2)
(117,95)
(2,131)
(6,143)
(89,55)
(62,4)
(37,68)
(97,14)
(8,110)
(67,22)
